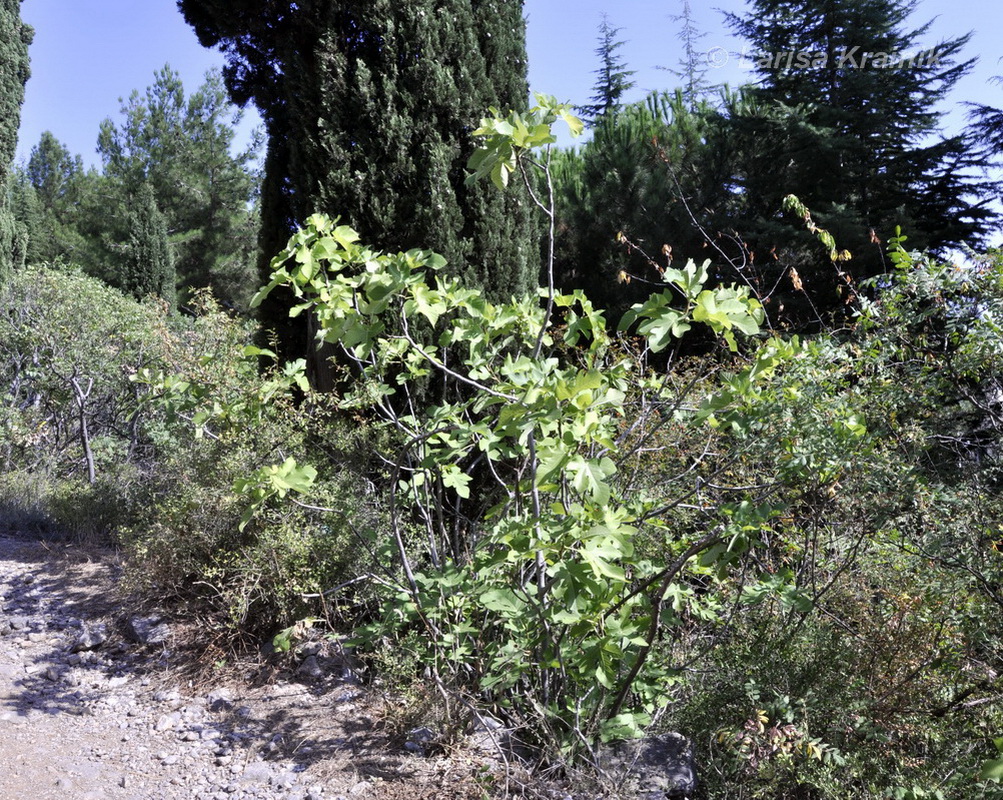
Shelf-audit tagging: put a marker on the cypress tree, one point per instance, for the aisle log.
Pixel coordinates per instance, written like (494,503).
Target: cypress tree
(15,69)
(15,37)
(369,109)
(147,268)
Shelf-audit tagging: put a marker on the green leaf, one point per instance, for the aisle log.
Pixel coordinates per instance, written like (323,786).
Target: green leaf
(625,726)
(503,601)
(427,302)
(575,125)
(552,457)
(603,677)
(454,478)
(710,556)
(659,321)
(251,350)
(594,557)
(345,236)
(992,771)
(588,476)
(292,476)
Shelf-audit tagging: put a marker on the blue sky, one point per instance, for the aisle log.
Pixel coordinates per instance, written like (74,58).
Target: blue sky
(89,53)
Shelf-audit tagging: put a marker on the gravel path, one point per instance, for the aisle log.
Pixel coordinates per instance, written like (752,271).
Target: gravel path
(88,710)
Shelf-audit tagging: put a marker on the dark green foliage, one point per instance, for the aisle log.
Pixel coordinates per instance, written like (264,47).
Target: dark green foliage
(27,209)
(13,231)
(369,109)
(147,267)
(646,169)
(15,37)
(850,135)
(96,230)
(15,68)
(53,171)
(278,330)
(181,147)
(987,125)
(70,216)
(613,77)
(56,180)
(693,64)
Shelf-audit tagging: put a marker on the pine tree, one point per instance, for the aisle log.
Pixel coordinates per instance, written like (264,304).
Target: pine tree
(15,37)
(181,146)
(369,109)
(613,77)
(53,171)
(55,178)
(842,117)
(650,172)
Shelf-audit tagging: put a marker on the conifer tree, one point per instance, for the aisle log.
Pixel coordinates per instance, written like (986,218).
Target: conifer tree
(31,218)
(369,109)
(147,268)
(15,37)
(52,170)
(182,146)
(693,65)
(613,77)
(55,178)
(842,117)
(987,125)
(652,172)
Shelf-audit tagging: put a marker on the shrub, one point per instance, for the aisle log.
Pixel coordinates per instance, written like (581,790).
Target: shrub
(513,539)
(68,345)
(214,417)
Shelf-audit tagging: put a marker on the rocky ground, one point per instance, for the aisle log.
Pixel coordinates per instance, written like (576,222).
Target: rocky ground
(95,704)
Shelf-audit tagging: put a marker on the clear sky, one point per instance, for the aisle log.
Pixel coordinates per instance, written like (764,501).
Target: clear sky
(89,53)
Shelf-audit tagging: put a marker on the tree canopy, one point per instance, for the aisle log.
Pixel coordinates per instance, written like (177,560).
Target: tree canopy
(15,68)
(845,115)
(182,147)
(148,267)
(369,109)
(171,190)
(612,76)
